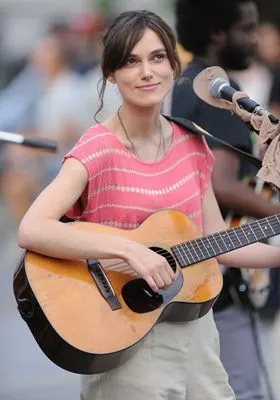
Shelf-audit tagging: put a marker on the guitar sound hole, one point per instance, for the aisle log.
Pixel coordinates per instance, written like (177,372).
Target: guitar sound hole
(141,298)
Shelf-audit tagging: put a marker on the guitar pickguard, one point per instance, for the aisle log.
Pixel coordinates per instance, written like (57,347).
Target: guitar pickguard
(140,298)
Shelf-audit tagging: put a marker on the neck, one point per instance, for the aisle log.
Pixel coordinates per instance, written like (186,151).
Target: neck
(55,73)
(138,122)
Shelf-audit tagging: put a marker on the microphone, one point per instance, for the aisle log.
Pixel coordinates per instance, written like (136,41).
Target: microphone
(219,88)
(38,143)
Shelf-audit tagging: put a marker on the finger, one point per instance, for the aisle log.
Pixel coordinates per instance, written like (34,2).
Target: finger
(166,278)
(151,282)
(170,272)
(158,279)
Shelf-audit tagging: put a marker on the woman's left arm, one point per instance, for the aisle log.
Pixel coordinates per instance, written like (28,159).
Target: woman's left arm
(257,255)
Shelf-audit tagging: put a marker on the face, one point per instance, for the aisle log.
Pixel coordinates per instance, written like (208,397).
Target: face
(147,76)
(47,56)
(241,40)
(269,43)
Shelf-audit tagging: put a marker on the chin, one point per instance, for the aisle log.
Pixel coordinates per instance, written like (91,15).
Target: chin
(239,66)
(148,101)
(235,61)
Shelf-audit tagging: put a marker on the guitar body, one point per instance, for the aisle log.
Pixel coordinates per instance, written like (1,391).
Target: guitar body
(65,306)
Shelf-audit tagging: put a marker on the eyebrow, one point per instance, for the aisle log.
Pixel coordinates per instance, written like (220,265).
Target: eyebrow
(152,53)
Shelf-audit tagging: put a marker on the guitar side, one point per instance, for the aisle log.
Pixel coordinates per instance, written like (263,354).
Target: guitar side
(72,322)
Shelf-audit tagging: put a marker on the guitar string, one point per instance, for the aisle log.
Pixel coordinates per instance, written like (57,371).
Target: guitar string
(123,266)
(215,238)
(112,267)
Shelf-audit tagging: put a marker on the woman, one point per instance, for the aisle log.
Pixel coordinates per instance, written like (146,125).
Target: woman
(121,171)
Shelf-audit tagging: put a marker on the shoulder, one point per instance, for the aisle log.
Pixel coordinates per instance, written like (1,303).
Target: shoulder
(95,135)
(95,139)
(94,147)
(189,138)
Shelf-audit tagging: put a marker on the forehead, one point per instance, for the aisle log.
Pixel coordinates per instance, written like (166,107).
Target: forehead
(149,41)
(248,14)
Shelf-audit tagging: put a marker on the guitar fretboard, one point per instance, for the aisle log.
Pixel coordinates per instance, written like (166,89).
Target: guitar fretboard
(209,246)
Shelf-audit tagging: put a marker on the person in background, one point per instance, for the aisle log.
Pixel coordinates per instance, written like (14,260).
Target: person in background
(59,114)
(20,94)
(225,34)
(86,29)
(269,49)
(89,30)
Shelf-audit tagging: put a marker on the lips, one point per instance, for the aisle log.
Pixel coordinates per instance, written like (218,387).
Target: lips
(150,86)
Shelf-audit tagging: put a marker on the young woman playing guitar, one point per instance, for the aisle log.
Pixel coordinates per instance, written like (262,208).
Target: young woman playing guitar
(121,172)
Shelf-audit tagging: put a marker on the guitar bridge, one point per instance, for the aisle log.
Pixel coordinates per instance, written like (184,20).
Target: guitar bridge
(103,284)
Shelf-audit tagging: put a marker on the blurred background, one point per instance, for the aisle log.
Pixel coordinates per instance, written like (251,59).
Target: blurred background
(49,72)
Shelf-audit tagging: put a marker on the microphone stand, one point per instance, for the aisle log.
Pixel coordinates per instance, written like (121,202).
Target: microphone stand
(37,143)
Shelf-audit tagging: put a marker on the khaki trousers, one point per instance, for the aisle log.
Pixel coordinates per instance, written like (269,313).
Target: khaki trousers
(177,361)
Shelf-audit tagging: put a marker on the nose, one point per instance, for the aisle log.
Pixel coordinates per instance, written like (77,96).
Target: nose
(146,71)
(254,38)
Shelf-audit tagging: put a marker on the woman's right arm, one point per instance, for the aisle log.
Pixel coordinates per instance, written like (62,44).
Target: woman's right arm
(42,232)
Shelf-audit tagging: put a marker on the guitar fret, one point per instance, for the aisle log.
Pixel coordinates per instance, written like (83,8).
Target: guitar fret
(244,234)
(261,228)
(195,246)
(277,219)
(178,255)
(201,243)
(222,239)
(209,245)
(186,260)
(215,241)
(250,230)
(192,260)
(257,230)
(269,226)
(235,233)
(231,245)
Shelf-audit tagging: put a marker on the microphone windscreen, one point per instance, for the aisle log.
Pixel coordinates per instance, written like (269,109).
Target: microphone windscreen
(201,86)
(215,87)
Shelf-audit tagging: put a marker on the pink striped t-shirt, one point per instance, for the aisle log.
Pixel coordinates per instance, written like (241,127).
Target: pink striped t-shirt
(123,191)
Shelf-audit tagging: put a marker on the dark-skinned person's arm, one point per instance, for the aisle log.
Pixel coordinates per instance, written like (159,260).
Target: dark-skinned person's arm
(234,194)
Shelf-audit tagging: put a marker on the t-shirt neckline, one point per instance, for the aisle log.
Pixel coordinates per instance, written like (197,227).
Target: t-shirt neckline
(163,158)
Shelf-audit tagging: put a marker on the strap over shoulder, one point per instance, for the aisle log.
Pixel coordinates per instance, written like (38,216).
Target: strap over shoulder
(194,128)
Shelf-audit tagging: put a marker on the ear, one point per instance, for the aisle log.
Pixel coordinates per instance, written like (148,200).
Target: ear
(111,78)
(218,38)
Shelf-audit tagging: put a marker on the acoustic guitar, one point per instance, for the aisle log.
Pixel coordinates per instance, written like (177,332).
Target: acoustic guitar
(90,316)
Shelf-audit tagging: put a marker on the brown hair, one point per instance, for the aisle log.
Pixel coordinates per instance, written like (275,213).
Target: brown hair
(122,35)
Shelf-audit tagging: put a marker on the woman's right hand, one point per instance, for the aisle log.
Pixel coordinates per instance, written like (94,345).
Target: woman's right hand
(152,267)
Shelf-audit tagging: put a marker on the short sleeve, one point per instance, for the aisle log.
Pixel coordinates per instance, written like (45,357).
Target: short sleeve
(82,152)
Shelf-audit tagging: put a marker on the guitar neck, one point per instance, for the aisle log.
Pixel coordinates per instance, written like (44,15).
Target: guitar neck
(194,251)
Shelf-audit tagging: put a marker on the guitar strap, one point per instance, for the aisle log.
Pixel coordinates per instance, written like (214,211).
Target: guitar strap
(191,126)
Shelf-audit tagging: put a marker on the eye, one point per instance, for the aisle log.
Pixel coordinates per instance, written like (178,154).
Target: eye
(159,57)
(130,61)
